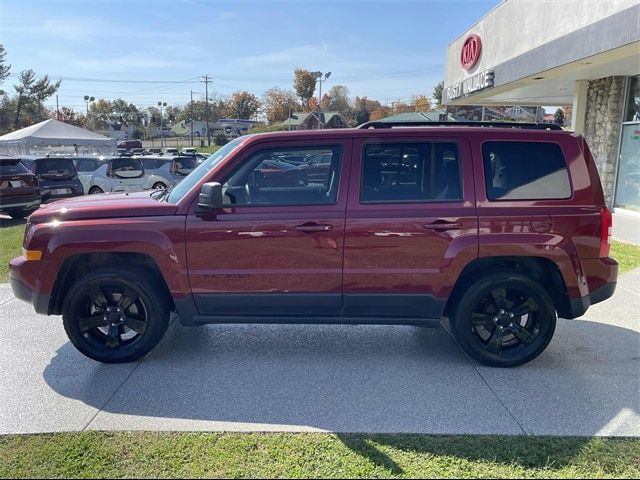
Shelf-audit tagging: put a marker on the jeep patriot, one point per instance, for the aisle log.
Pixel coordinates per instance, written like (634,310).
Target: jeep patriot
(499,230)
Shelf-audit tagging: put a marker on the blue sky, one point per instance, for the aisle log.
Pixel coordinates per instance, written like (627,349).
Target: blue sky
(384,49)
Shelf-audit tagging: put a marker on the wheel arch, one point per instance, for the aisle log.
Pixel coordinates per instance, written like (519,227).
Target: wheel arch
(75,266)
(540,269)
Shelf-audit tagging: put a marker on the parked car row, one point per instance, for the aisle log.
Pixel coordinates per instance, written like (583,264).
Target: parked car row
(26,182)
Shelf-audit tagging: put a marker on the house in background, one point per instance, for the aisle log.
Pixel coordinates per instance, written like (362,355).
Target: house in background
(432,116)
(309,120)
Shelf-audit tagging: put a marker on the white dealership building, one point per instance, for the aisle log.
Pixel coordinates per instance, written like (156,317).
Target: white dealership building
(583,53)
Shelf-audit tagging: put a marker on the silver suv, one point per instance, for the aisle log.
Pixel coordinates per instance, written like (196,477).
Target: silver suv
(163,172)
(111,174)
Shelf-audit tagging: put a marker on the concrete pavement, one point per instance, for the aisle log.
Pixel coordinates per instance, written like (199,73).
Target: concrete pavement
(326,378)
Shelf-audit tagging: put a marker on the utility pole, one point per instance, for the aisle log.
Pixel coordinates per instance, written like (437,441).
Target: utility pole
(57,109)
(207,80)
(191,115)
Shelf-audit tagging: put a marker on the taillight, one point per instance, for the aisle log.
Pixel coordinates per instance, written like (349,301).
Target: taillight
(605,233)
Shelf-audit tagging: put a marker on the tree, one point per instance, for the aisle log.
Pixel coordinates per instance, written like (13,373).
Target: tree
(379,113)
(4,68)
(559,116)
(364,107)
(43,89)
(243,105)
(67,115)
(304,84)
(421,103)
(23,91)
(277,104)
(338,100)
(401,107)
(437,93)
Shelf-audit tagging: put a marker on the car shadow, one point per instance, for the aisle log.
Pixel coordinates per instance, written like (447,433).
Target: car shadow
(381,379)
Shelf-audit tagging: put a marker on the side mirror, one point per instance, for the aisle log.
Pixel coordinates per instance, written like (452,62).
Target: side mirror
(210,197)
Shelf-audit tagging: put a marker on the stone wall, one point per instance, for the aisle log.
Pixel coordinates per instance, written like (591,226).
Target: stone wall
(605,101)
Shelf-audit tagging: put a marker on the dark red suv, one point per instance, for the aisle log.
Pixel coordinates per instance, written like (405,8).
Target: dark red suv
(496,229)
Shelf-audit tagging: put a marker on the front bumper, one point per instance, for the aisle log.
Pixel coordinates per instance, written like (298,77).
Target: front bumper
(18,275)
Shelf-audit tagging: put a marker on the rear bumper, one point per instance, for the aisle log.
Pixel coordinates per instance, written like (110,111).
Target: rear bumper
(602,277)
(23,202)
(580,305)
(50,193)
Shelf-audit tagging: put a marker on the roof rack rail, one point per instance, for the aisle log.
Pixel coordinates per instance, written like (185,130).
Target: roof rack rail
(528,126)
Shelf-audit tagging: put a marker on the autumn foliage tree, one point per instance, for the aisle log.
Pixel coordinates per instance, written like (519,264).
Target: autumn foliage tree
(304,84)
(277,103)
(243,105)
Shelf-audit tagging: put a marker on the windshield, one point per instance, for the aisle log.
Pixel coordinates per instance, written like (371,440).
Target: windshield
(202,170)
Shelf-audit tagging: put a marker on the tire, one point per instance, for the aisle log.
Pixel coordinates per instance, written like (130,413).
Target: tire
(127,334)
(504,319)
(159,186)
(95,190)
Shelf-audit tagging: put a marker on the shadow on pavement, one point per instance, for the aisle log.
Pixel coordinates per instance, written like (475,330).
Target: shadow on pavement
(382,379)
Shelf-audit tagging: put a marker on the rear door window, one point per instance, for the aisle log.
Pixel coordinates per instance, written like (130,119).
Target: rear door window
(525,171)
(55,168)
(410,172)
(127,167)
(12,167)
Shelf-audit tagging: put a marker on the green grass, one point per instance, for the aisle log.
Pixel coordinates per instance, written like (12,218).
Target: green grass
(627,255)
(277,455)
(210,149)
(10,247)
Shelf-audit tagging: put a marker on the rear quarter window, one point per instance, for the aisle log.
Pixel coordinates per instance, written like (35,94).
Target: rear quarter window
(87,165)
(525,171)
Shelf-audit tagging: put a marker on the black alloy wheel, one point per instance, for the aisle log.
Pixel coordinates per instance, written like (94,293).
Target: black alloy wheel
(113,316)
(504,320)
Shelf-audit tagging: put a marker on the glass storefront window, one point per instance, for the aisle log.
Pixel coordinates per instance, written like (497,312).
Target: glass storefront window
(628,186)
(633,102)
(628,181)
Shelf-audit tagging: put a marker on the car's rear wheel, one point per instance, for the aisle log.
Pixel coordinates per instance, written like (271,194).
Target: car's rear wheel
(504,319)
(115,316)
(95,191)
(159,186)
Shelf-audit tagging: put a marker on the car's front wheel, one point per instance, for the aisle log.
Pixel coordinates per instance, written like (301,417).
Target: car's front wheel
(504,319)
(115,316)
(159,186)
(95,191)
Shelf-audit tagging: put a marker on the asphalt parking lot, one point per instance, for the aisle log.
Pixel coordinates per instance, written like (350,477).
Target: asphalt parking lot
(326,378)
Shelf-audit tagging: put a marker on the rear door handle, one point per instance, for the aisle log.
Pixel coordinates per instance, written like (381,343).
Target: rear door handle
(442,226)
(313,227)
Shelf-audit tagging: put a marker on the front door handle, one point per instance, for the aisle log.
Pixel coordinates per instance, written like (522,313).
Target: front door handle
(313,227)
(441,226)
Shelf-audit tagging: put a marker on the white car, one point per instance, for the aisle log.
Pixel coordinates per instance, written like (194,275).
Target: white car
(188,151)
(164,172)
(111,174)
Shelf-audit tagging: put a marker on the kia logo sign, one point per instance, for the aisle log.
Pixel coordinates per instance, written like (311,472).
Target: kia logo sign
(470,53)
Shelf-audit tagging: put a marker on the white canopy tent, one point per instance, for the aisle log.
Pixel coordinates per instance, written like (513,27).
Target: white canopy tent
(53,135)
